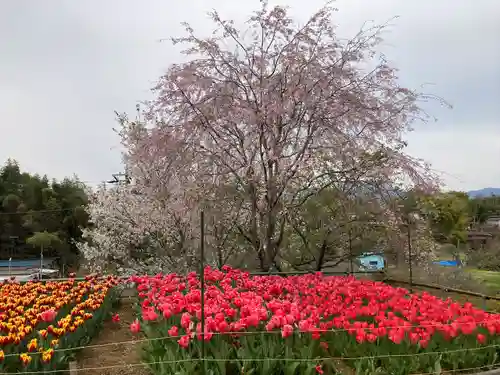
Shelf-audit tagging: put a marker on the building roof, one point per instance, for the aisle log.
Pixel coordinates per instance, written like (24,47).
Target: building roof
(25,263)
(478,235)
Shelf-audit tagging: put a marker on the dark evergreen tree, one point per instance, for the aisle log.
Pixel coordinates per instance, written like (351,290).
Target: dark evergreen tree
(33,204)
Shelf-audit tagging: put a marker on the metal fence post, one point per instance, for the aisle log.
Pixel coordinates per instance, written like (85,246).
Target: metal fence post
(351,270)
(410,257)
(73,368)
(202,281)
(352,219)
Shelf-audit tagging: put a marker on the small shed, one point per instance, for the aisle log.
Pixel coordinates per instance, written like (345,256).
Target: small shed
(478,239)
(371,262)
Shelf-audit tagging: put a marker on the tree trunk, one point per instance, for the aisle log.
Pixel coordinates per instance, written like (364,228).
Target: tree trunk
(321,257)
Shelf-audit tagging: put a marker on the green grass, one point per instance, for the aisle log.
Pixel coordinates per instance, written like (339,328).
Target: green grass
(446,252)
(490,278)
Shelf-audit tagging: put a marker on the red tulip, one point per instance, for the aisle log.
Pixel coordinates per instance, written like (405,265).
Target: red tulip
(369,312)
(149,314)
(481,338)
(48,315)
(184,341)
(173,331)
(286,331)
(135,327)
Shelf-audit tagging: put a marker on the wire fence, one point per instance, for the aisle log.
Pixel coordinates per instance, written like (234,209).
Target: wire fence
(248,333)
(205,359)
(171,362)
(246,360)
(280,359)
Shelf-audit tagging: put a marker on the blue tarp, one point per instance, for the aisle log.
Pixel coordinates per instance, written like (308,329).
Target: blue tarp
(448,263)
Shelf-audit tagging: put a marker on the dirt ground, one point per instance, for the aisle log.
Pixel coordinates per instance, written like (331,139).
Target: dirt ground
(101,360)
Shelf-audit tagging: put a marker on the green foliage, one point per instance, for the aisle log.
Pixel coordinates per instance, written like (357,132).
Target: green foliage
(481,208)
(332,227)
(36,211)
(486,258)
(43,239)
(448,214)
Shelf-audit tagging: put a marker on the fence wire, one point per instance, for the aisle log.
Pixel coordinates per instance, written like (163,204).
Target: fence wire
(246,333)
(302,360)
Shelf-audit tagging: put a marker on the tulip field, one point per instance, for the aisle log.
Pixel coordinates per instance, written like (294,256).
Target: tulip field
(40,322)
(311,324)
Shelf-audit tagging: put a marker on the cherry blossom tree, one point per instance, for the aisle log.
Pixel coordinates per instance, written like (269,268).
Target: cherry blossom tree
(132,231)
(258,121)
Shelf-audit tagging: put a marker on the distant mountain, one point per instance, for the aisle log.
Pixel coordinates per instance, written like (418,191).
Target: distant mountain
(486,192)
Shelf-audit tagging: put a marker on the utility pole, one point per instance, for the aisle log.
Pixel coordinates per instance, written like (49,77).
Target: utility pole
(13,240)
(351,266)
(409,219)
(350,252)
(41,262)
(410,257)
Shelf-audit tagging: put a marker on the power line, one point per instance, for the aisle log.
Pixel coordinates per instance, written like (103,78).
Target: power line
(117,179)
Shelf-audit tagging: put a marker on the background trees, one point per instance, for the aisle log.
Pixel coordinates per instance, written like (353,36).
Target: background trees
(32,204)
(481,208)
(448,214)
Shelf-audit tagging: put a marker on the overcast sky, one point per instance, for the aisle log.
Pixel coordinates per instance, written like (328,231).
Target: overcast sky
(66,66)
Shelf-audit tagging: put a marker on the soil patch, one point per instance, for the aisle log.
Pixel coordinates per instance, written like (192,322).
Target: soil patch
(118,359)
